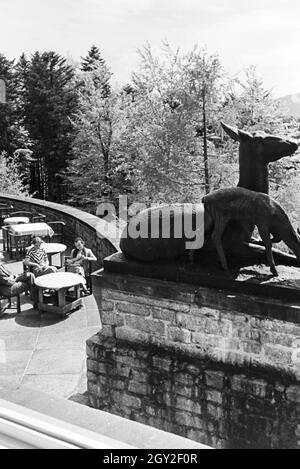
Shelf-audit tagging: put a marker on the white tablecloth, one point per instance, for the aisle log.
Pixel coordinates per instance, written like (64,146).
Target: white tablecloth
(59,280)
(16,220)
(35,229)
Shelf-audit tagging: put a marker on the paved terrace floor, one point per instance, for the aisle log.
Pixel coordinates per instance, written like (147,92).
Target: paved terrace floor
(46,352)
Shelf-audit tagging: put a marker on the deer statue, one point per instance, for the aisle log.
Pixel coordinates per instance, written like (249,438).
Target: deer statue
(256,151)
(251,207)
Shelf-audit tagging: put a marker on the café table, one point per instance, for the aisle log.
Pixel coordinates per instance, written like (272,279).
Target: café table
(34,229)
(61,283)
(16,220)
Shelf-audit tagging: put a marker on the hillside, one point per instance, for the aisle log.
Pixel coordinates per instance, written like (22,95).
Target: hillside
(291,104)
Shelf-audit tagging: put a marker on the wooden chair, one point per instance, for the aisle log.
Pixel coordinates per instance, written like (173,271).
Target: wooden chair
(88,273)
(5,211)
(18,243)
(9,298)
(2,298)
(22,213)
(59,231)
(38,218)
(5,238)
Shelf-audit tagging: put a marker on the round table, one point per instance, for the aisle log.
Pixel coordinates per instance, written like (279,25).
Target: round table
(16,220)
(60,282)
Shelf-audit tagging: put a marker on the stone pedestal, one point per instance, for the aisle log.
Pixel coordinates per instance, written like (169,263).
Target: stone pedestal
(219,366)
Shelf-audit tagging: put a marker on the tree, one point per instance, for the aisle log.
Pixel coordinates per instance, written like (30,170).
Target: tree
(49,102)
(94,62)
(250,105)
(10,179)
(99,124)
(12,132)
(204,74)
(169,97)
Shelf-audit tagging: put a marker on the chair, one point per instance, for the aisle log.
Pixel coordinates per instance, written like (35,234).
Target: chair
(2,297)
(5,211)
(19,243)
(22,213)
(5,237)
(59,231)
(38,218)
(88,273)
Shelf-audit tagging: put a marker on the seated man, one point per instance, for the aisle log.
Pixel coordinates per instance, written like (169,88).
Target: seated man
(37,260)
(12,285)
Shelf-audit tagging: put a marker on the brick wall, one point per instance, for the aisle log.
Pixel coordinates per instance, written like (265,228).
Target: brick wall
(219,368)
(209,402)
(238,329)
(93,230)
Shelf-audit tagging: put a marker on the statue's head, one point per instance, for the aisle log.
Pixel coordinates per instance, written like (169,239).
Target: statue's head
(266,147)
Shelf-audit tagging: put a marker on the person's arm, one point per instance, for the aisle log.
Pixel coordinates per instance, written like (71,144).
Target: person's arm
(90,256)
(45,259)
(6,278)
(72,258)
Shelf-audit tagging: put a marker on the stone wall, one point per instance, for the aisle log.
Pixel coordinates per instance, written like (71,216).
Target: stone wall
(217,367)
(238,329)
(219,405)
(94,231)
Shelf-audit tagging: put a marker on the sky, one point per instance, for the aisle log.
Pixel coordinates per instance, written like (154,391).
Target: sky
(264,33)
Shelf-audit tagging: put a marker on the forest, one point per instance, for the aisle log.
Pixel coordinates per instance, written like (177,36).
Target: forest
(69,134)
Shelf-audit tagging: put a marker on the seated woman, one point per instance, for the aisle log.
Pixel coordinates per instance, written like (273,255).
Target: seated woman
(79,259)
(37,260)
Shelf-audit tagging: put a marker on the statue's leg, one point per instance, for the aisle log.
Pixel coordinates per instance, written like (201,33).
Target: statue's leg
(265,236)
(237,245)
(219,227)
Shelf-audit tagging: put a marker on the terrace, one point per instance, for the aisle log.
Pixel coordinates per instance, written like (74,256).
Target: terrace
(45,351)
(43,357)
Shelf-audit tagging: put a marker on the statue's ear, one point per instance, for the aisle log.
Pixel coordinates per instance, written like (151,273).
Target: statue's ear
(233,132)
(244,136)
(236,134)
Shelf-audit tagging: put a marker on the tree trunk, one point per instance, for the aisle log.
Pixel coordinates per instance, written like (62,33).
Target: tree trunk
(206,173)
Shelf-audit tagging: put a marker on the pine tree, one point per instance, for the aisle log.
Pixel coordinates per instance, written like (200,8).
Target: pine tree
(93,63)
(49,101)
(92,59)
(12,134)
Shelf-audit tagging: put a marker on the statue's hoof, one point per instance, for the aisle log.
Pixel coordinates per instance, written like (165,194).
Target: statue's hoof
(274,272)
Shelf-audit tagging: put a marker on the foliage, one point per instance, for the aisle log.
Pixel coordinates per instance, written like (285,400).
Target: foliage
(165,118)
(10,179)
(12,132)
(94,63)
(69,135)
(99,125)
(48,102)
